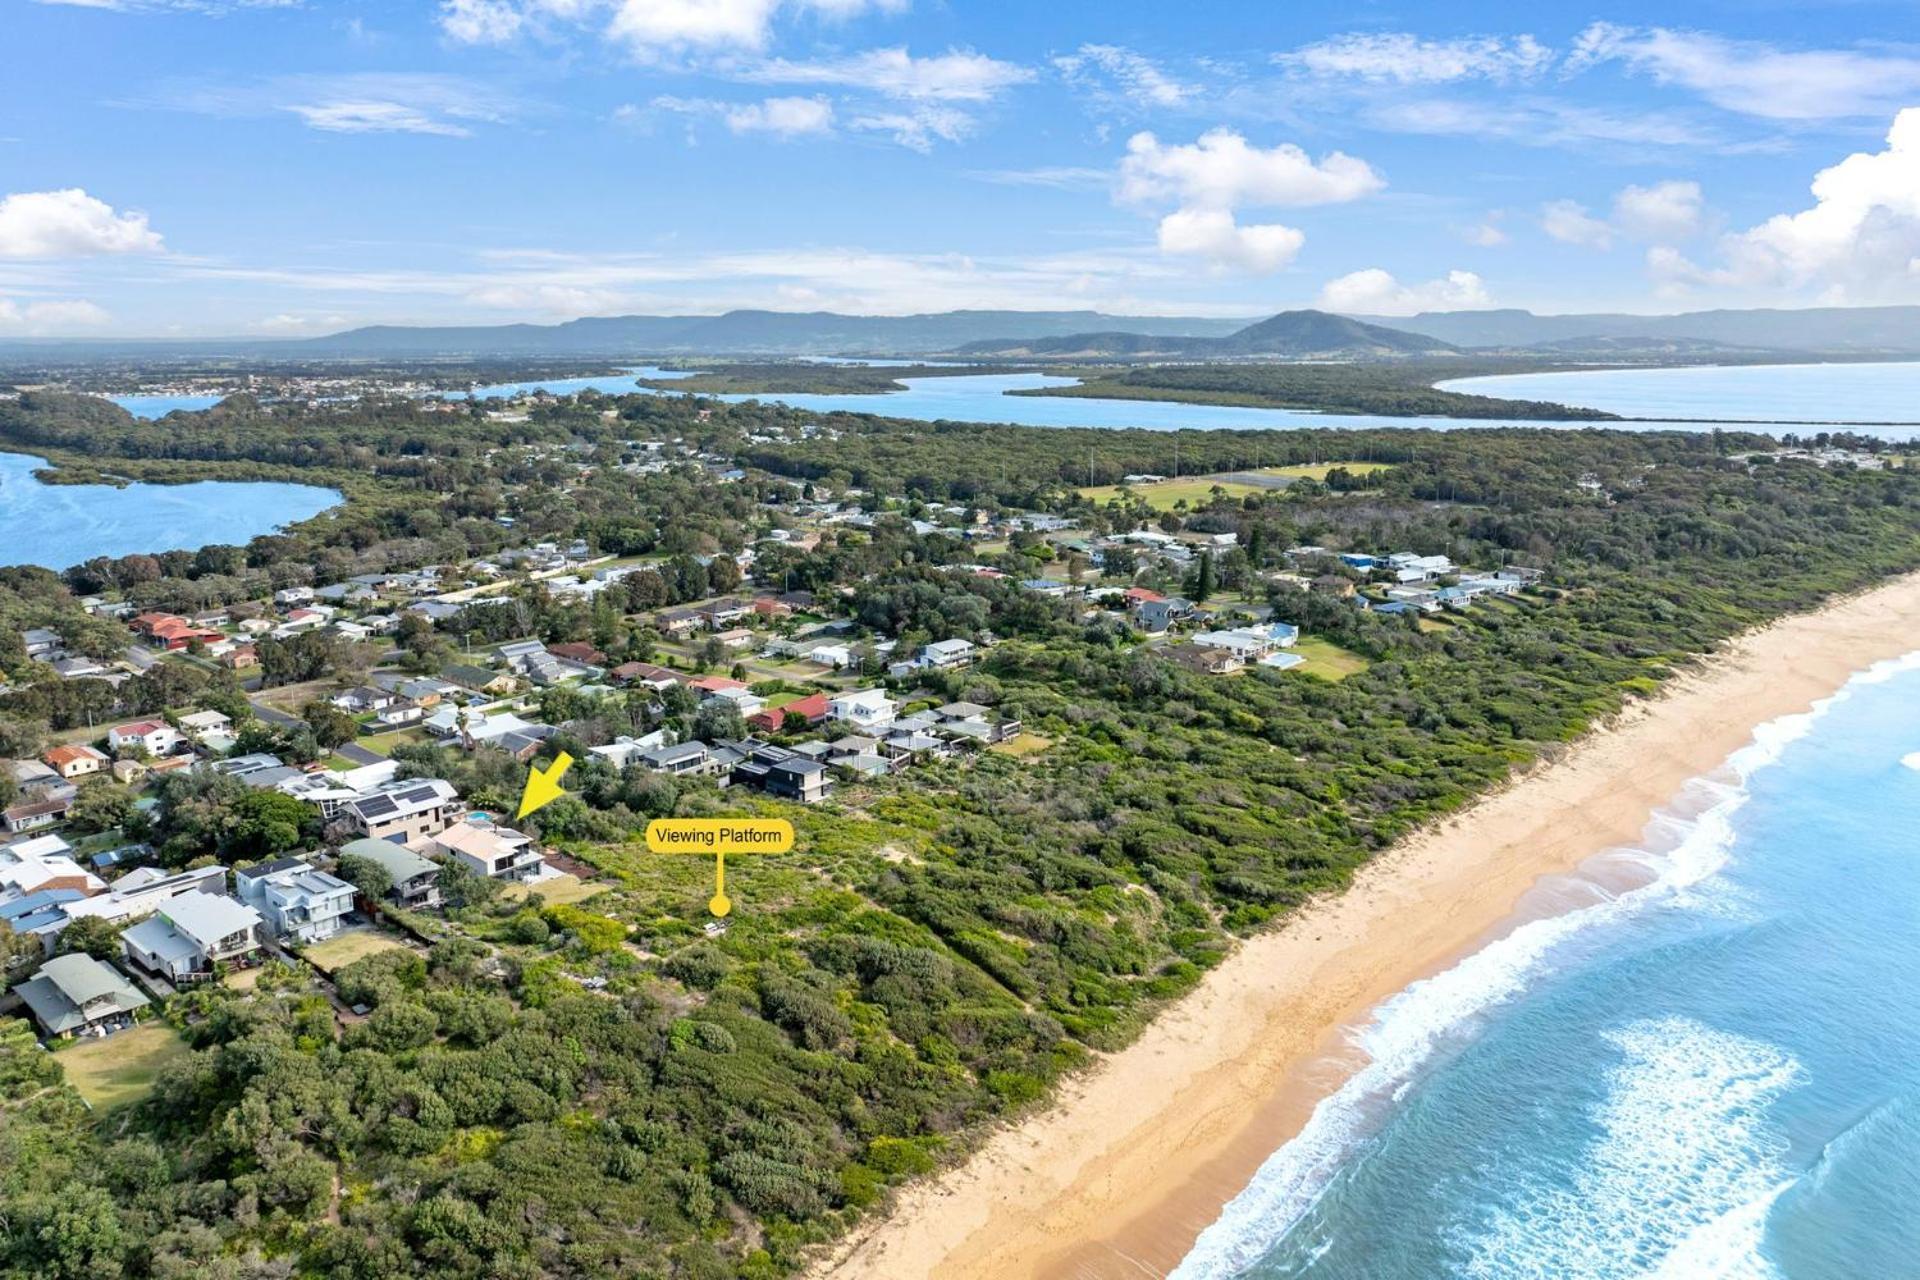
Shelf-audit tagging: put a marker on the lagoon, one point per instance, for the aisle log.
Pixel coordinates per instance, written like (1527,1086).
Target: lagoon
(1805,393)
(60,525)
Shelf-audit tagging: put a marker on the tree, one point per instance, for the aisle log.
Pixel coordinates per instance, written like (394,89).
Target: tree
(719,718)
(331,726)
(91,935)
(101,806)
(267,823)
(366,875)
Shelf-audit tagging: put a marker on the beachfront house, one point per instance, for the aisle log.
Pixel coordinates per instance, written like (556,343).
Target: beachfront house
(77,995)
(298,903)
(186,936)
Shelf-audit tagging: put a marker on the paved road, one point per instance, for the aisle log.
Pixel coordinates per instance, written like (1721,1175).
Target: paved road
(273,715)
(141,656)
(358,754)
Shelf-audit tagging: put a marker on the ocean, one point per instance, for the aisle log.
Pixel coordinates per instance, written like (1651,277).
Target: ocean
(1707,1069)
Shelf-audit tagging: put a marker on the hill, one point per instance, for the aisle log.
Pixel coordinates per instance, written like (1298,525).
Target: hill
(741,332)
(1297,334)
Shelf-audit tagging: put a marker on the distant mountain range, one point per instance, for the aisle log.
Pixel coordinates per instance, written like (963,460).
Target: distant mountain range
(746,333)
(1854,331)
(1297,334)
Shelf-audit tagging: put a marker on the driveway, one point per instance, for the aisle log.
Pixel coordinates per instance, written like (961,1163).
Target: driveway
(358,754)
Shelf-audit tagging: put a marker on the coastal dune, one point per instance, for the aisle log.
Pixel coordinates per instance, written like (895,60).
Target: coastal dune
(1138,1155)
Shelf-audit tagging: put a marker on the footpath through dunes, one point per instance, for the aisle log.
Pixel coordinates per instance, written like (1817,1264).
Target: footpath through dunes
(1138,1156)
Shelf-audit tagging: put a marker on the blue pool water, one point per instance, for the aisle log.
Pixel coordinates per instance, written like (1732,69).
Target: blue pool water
(58,525)
(1709,1069)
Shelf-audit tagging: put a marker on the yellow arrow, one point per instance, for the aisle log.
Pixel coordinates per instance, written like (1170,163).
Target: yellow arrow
(543,787)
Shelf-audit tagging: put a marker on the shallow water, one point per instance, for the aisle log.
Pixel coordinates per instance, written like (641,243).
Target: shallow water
(58,525)
(1811,393)
(1715,1073)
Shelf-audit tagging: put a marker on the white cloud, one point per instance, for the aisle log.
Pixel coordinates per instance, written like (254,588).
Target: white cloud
(53,316)
(918,128)
(356,102)
(1754,78)
(70,224)
(1402,58)
(958,75)
(1214,235)
(1138,79)
(1487,233)
(370,116)
(1664,211)
(481,21)
(1542,122)
(647,29)
(1860,240)
(784,118)
(1064,177)
(1221,171)
(1375,292)
(1569,222)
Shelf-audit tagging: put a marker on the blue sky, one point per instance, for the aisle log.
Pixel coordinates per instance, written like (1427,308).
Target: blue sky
(200,167)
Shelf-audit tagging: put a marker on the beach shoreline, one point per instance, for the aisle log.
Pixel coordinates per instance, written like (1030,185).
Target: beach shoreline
(1138,1155)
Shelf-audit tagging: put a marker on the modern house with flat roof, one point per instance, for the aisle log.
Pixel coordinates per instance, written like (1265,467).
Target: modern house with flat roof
(299,903)
(404,811)
(499,853)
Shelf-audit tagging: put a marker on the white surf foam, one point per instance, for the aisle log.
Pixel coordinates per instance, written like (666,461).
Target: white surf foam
(1677,1181)
(1408,1030)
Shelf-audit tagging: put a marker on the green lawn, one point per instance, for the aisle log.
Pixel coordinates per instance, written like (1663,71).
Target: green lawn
(121,1068)
(1166,494)
(558,890)
(382,744)
(344,948)
(1318,470)
(1328,660)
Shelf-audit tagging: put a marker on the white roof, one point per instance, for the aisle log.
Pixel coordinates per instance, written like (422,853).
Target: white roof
(869,698)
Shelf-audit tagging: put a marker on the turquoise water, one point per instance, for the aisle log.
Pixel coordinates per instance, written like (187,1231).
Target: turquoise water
(1705,1063)
(1865,393)
(58,525)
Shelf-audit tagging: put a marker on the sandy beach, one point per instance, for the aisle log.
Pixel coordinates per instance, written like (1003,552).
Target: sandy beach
(1139,1154)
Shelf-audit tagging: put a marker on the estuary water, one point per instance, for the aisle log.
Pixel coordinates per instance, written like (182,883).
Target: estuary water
(1712,1076)
(1659,399)
(1810,393)
(59,525)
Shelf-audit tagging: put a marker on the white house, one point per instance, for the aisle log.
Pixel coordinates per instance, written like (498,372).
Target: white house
(201,723)
(500,853)
(189,934)
(942,654)
(863,709)
(299,903)
(155,737)
(831,655)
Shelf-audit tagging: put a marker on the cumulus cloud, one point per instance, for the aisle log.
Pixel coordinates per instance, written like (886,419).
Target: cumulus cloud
(1664,211)
(1375,292)
(1222,170)
(50,317)
(1213,234)
(70,224)
(1859,240)
(1754,78)
(1398,57)
(1569,222)
(1132,77)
